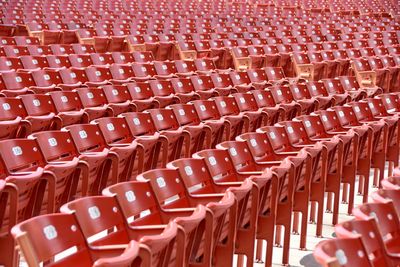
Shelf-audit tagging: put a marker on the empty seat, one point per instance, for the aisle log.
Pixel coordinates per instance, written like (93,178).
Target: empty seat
(12,119)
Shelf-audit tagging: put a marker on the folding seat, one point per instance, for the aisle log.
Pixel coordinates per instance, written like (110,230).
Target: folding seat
(52,183)
(98,75)
(58,61)
(83,48)
(80,60)
(302,96)
(40,112)
(229,178)
(389,64)
(273,56)
(161,248)
(344,252)
(12,119)
(91,37)
(334,87)
(38,248)
(45,80)
(164,92)
(68,107)
(205,87)
(369,139)
(15,51)
(222,248)
(369,77)
(39,50)
(95,104)
(305,69)
(165,69)
(184,89)
(150,142)
(102,58)
(26,40)
(103,161)
(282,96)
(143,56)
(350,83)
(319,91)
(387,193)
(369,233)
(61,49)
(388,224)
(241,81)
(10,64)
(144,71)
(258,78)
(143,97)
(206,66)
(123,57)
(73,78)
(341,56)
(4,40)
(34,62)
(121,73)
(242,60)
(285,62)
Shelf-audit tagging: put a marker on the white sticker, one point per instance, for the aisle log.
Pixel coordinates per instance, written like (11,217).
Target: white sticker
(272,135)
(83,134)
(233,152)
(52,141)
(159,86)
(388,100)
(130,196)
(341,114)
(17,150)
(94,212)
(290,129)
(136,121)
(324,118)
(357,109)
(73,75)
(260,97)
(110,127)
(188,170)
(160,117)
(121,71)
(253,142)
(202,108)
(212,161)
(50,232)
(98,73)
(34,61)
(222,104)
(181,112)
(279,92)
(341,257)
(64,99)
(308,124)
(180,84)
(18,79)
(6,106)
(242,100)
(161,182)
(137,89)
(371,105)
(114,92)
(36,102)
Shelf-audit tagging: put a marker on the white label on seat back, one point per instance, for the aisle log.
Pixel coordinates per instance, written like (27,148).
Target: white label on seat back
(90,95)
(296,89)
(64,99)
(18,79)
(341,114)
(34,61)
(110,127)
(272,135)
(233,152)
(290,129)
(121,71)
(188,170)
(324,118)
(50,232)
(137,89)
(222,104)
(371,105)
(161,182)
(388,100)
(357,109)
(83,134)
(242,100)
(180,84)
(73,75)
(136,121)
(98,73)
(52,141)
(202,108)
(330,84)
(94,212)
(341,257)
(212,161)
(253,142)
(17,150)
(159,86)
(181,112)
(260,97)
(279,92)
(80,60)
(6,106)
(114,92)
(130,196)
(160,117)
(36,102)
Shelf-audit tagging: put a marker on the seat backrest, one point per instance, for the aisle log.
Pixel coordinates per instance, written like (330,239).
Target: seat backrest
(114,130)
(43,237)
(206,109)
(344,252)
(38,104)
(202,82)
(87,137)
(385,215)
(92,97)
(185,114)
(226,105)
(221,80)
(66,100)
(264,98)
(281,94)
(98,74)
(139,123)
(96,214)
(163,119)
(161,87)
(21,155)
(116,93)
(12,108)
